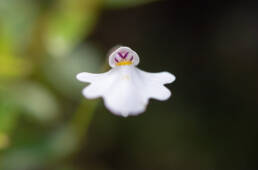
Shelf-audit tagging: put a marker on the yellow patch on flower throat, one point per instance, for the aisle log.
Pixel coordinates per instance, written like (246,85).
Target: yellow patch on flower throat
(124,63)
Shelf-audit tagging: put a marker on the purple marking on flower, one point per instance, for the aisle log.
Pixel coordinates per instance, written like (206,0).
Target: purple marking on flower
(123,56)
(126,54)
(116,60)
(131,59)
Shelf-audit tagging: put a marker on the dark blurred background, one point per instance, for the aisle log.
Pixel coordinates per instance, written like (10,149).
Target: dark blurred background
(209,123)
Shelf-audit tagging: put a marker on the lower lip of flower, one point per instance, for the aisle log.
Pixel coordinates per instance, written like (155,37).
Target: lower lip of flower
(123,63)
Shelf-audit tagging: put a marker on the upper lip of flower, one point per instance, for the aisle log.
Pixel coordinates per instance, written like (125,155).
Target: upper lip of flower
(123,56)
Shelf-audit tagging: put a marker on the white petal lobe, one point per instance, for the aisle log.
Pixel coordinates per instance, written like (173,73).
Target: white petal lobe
(90,77)
(162,77)
(124,97)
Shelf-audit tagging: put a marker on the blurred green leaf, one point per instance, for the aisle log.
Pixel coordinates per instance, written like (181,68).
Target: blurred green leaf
(35,100)
(4,141)
(69,23)
(125,3)
(61,72)
(56,145)
(8,116)
(12,67)
(14,36)
(18,29)
(23,159)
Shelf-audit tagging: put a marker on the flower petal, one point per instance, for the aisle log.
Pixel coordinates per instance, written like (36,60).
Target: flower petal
(159,93)
(92,91)
(100,83)
(125,99)
(131,88)
(126,89)
(162,77)
(90,77)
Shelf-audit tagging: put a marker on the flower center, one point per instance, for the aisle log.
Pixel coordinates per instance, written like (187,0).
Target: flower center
(123,63)
(123,59)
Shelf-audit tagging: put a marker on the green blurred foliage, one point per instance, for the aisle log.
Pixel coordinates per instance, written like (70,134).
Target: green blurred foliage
(69,22)
(43,45)
(125,3)
(210,123)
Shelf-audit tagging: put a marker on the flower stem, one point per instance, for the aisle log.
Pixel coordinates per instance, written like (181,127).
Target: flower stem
(82,117)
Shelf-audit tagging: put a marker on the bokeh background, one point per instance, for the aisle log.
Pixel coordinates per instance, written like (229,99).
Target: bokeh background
(210,123)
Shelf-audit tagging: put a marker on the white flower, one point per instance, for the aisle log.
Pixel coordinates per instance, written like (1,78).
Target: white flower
(126,89)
